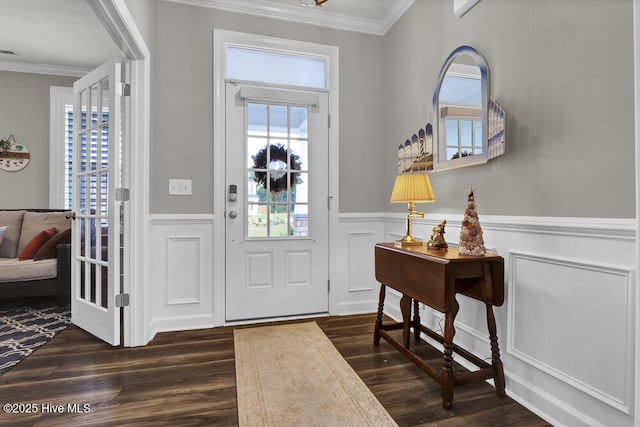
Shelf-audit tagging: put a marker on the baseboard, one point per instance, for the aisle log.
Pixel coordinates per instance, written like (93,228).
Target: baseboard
(360,307)
(179,323)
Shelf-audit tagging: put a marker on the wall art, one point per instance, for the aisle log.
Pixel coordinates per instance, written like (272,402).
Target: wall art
(14,156)
(416,153)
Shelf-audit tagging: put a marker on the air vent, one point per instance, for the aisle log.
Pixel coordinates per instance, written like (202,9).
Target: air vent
(7,52)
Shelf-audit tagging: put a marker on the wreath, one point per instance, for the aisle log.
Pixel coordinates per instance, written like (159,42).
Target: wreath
(278,181)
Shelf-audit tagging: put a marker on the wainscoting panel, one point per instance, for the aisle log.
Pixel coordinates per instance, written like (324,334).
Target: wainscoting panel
(353,284)
(555,305)
(361,262)
(183,280)
(567,328)
(181,296)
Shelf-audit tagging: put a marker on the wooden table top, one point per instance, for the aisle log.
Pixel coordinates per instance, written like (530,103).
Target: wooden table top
(442,256)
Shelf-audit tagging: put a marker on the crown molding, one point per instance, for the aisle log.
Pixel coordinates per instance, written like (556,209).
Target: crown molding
(49,69)
(309,16)
(397,10)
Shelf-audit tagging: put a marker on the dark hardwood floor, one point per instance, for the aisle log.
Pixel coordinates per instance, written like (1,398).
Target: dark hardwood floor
(188,378)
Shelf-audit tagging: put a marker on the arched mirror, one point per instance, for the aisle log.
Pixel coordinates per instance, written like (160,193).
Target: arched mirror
(460,108)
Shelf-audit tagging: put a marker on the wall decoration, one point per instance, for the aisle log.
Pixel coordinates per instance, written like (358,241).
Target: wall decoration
(416,154)
(274,168)
(471,240)
(465,117)
(460,7)
(14,156)
(496,129)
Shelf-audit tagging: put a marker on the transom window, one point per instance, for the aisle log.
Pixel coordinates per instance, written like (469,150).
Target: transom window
(275,67)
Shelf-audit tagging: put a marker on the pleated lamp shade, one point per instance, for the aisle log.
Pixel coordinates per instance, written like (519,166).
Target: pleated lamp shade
(412,187)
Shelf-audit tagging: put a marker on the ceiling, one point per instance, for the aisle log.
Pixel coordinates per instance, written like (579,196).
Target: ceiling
(41,31)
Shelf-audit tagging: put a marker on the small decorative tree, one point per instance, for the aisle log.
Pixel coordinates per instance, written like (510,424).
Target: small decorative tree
(471,241)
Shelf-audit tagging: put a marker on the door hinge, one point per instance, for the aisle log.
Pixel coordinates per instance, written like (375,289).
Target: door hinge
(122,300)
(123,89)
(329,120)
(122,194)
(328,285)
(329,199)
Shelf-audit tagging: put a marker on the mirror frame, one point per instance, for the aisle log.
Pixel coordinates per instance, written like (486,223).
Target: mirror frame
(444,164)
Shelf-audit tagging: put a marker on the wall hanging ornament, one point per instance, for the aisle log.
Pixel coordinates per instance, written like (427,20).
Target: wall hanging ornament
(471,241)
(275,166)
(13,155)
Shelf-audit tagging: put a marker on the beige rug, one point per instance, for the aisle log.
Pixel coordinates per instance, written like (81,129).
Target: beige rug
(291,375)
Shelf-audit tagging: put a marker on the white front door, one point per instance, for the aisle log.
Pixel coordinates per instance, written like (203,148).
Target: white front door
(277,231)
(95,274)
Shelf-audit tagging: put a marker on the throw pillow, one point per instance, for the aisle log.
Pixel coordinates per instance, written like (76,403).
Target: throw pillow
(35,222)
(49,249)
(2,231)
(9,245)
(36,243)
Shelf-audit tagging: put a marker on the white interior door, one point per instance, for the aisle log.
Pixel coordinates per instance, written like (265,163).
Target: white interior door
(95,275)
(277,202)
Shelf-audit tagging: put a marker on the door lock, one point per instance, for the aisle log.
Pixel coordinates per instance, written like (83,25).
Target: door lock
(233,214)
(233,193)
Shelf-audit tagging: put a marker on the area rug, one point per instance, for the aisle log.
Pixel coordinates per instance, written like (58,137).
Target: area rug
(25,325)
(292,375)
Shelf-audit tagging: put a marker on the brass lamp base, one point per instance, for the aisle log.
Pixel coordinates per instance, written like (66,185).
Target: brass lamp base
(409,241)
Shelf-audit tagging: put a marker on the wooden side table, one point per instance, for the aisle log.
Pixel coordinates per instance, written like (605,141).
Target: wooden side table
(434,277)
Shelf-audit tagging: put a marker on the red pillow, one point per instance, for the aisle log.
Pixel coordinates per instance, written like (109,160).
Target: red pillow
(36,243)
(49,249)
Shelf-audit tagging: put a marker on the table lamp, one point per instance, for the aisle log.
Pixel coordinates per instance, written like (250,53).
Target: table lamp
(412,188)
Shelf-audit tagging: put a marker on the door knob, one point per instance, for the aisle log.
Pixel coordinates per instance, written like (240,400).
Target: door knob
(70,215)
(233,214)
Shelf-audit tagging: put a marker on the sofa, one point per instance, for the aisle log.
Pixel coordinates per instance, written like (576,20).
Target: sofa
(35,254)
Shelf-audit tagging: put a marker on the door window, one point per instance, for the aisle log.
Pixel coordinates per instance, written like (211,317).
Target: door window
(277,146)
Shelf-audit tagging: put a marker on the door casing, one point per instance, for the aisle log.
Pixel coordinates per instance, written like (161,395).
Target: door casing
(223,38)
(119,23)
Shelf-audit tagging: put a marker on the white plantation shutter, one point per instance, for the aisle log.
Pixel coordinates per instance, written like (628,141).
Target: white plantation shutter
(91,150)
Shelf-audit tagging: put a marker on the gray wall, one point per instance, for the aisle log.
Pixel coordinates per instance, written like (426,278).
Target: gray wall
(562,69)
(182,99)
(24,112)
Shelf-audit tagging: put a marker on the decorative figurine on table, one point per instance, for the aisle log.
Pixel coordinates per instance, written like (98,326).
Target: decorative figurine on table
(471,241)
(437,237)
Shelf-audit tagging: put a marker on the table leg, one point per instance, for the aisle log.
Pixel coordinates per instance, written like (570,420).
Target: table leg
(495,352)
(449,332)
(487,290)
(405,309)
(416,319)
(376,331)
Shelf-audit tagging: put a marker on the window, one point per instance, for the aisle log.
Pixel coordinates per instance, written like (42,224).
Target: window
(244,64)
(61,150)
(277,166)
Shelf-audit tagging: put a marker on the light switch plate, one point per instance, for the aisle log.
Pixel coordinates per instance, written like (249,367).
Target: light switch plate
(180,187)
